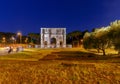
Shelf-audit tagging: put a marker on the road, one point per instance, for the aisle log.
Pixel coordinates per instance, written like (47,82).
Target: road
(3,51)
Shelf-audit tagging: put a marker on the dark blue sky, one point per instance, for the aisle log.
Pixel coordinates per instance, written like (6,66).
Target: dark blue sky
(30,15)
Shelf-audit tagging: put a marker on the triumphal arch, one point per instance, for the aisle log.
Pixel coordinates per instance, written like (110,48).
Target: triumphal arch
(53,37)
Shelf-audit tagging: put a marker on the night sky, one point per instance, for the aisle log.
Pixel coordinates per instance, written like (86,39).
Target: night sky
(30,15)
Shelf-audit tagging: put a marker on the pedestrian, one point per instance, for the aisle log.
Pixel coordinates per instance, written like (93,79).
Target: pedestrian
(17,49)
(10,50)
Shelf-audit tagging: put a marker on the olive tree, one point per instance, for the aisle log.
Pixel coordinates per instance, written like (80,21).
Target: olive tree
(98,39)
(87,40)
(103,42)
(90,41)
(114,34)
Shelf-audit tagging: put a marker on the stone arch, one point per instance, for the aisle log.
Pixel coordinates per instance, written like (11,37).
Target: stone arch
(53,37)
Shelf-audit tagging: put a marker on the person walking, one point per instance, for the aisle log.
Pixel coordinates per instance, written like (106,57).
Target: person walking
(10,50)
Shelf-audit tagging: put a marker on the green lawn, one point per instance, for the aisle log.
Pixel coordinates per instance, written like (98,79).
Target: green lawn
(59,66)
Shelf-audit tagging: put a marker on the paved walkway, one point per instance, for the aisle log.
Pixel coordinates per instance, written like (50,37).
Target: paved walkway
(3,51)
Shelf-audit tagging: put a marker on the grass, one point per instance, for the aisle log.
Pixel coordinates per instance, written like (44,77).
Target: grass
(59,66)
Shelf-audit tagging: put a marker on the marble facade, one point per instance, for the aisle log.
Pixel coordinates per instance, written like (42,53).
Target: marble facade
(53,37)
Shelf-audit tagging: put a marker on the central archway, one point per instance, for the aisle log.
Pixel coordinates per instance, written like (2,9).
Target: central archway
(53,42)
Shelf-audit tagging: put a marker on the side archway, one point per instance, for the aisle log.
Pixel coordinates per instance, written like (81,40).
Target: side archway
(61,44)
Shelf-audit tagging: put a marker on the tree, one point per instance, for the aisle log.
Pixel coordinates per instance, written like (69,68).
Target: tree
(7,36)
(114,34)
(74,36)
(98,39)
(87,40)
(90,41)
(102,38)
(34,37)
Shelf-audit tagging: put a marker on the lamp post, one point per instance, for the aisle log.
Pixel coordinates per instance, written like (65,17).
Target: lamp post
(13,39)
(4,40)
(20,35)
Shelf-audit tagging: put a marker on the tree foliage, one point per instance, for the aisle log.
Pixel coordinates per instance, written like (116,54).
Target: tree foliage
(98,39)
(7,37)
(115,34)
(34,38)
(74,36)
(104,37)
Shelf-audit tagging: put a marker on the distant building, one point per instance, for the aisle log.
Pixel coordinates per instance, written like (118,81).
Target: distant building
(53,37)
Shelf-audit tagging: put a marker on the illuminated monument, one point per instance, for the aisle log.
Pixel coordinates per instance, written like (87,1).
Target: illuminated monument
(53,37)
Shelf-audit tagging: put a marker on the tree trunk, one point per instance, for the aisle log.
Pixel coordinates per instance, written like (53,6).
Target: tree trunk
(103,52)
(118,52)
(98,50)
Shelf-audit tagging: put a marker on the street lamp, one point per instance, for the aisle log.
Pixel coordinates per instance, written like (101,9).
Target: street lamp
(13,39)
(20,35)
(4,40)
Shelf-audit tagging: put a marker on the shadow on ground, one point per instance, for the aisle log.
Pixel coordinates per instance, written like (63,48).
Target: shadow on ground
(76,55)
